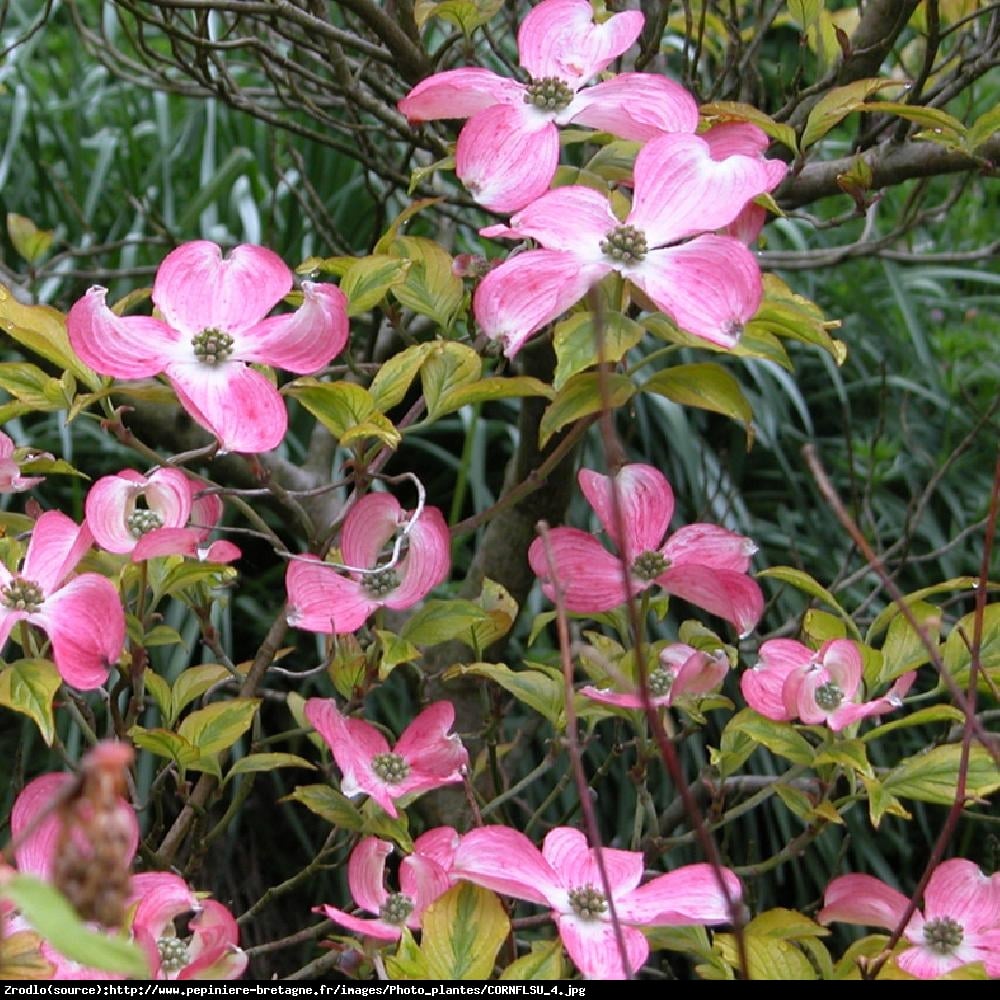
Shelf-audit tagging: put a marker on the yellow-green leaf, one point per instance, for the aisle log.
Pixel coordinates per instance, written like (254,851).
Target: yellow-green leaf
(193,683)
(462,932)
(935,713)
(409,961)
(957,583)
(255,762)
(21,957)
(501,612)
(442,621)
(957,656)
(778,737)
(29,241)
(932,776)
(393,651)
(785,314)
(575,343)
(903,649)
(835,105)
(347,410)
(544,961)
(447,367)
(368,280)
(217,727)
(430,287)
(30,385)
(165,743)
(881,801)
(754,342)
(394,378)
(580,397)
(705,386)
(804,582)
(537,690)
(938,121)
(485,390)
(983,128)
(466,15)
(28,687)
(328,804)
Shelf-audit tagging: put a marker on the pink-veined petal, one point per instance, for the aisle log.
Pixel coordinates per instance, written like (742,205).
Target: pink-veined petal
(439,844)
(762,685)
(57,544)
(621,699)
(689,895)
(352,742)
(166,542)
(747,225)
(6,445)
(570,856)
(636,106)
(700,673)
(214,948)
(506,861)
(842,659)
(559,38)
(321,600)
(528,291)
(924,963)
(232,401)
(590,578)
(744,139)
(958,889)
(36,839)
(196,288)
(429,748)
(112,500)
(423,880)
(507,156)
(121,346)
(593,946)
(681,190)
(647,505)
(379,929)
(710,286)
(862,899)
(732,596)
(303,341)
(366,873)
(169,492)
(459,93)
(799,694)
(206,512)
(889,702)
(426,564)
(161,897)
(220,552)
(8,619)
(368,527)
(573,219)
(709,545)
(86,624)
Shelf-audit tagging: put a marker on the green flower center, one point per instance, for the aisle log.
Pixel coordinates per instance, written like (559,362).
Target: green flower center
(649,566)
(625,245)
(173,954)
(396,908)
(943,935)
(829,696)
(22,595)
(587,902)
(212,347)
(391,767)
(660,682)
(381,583)
(548,94)
(141,521)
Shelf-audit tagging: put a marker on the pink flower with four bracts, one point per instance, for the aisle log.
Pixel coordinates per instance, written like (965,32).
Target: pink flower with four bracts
(709,285)
(83,617)
(792,681)
(173,521)
(426,755)
(213,328)
(960,922)
(320,599)
(508,151)
(700,563)
(683,670)
(565,876)
(423,877)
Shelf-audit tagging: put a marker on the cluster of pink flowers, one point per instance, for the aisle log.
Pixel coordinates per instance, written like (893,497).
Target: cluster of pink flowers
(792,681)
(209,950)
(686,186)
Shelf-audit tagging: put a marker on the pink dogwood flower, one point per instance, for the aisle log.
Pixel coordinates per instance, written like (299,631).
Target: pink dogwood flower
(960,922)
(423,877)
(83,617)
(700,563)
(320,599)
(792,681)
(11,480)
(565,876)
(211,948)
(213,328)
(508,151)
(709,285)
(426,755)
(682,671)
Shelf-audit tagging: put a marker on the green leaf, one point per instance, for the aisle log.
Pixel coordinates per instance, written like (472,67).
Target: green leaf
(160,690)
(705,386)
(397,224)
(462,932)
(580,397)
(186,575)
(804,582)
(394,651)
(938,121)
(430,287)
(193,683)
(394,378)
(21,956)
(466,15)
(48,912)
(347,410)
(615,162)
(368,280)
(850,754)
(575,343)
(328,804)
(337,266)
(30,385)
(165,743)
(776,943)
(958,657)
(544,961)
(903,649)
(217,727)
(29,241)
(501,612)
(821,626)
(778,737)
(785,314)
(42,330)
(376,821)
(50,467)
(539,691)
(835,105)
(983,128)
(755,342)
(881,801)
(442,621)
(887,614)
(447,367)
(409,961)
(932,776)
(28,687)
(256,762)
(488,389)
(923,716)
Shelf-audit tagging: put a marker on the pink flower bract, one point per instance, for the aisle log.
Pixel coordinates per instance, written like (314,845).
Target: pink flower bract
(701,563)
(425,756)
(213,328)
